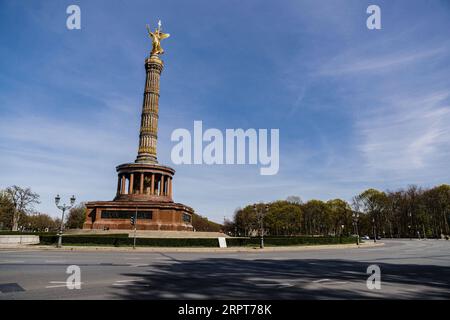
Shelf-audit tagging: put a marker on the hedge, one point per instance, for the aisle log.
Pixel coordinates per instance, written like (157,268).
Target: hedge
(19,233)
(121,240)
(288,241)
(125,241)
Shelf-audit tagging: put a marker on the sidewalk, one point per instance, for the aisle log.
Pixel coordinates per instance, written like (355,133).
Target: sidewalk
(190,249)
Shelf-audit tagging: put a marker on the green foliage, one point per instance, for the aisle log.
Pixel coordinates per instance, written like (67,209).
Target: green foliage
(317,218)
(288,241)
(123,241)
(412,212)
(38,223)
(76,217)
(6,212)
(283,218)
(201,223)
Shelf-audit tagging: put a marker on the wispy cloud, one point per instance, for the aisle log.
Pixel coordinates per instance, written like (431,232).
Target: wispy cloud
(410,134)
(346,64)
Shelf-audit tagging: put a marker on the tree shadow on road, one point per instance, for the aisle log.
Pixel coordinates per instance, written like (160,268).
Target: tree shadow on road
(229,278)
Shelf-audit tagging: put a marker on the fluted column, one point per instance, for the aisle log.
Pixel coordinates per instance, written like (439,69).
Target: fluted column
(149,117)
(170,187)
(161,186)
(152,185)
(118,185)
(141,186)
(122,189)
(130,186)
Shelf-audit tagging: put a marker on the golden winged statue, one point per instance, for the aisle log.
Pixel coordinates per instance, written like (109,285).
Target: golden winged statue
(156,37)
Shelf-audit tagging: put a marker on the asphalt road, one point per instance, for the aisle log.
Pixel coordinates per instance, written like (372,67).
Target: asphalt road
(410,269)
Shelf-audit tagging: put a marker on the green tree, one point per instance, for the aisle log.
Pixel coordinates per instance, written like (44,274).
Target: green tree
(316,217)
(201,223)
(373,204)
(340,216)
(437,207)
(246,220)
(6,212)
(76,217)
(39,223)
(283,218)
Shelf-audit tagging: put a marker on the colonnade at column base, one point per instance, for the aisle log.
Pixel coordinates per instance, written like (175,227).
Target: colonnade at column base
(143,190)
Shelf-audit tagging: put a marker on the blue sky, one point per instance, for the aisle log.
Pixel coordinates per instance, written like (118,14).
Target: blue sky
(356,108)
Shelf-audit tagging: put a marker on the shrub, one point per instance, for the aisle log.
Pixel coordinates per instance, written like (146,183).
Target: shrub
(122,240)
(287,241)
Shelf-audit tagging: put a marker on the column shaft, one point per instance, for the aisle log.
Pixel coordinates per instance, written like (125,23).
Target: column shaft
(152,190)
(118,185)
(141,186)
(122,189)
(170,187)
(130,187)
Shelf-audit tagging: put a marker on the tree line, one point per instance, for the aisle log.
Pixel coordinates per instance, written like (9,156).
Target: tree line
(410,212)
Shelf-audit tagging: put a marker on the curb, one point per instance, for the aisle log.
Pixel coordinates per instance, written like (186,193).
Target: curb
(192,250)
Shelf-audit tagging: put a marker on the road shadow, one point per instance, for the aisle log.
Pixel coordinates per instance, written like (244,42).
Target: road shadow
(229,278)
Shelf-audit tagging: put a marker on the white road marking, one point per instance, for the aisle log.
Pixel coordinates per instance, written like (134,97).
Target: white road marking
(12,261)
(124,283)
(58,286)
(321,280)
(138,264)
(329,282)
(286,285)
(62,284)
(131,284)
(275,284)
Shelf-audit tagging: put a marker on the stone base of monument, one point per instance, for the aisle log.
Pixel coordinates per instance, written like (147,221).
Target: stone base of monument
(151,216)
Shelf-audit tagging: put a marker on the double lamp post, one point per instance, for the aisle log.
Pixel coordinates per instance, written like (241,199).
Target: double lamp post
(63,208)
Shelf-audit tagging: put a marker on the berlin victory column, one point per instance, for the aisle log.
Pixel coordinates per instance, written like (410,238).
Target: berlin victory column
(144,188)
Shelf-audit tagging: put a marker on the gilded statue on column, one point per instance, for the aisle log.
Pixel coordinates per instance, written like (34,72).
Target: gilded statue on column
(156,37)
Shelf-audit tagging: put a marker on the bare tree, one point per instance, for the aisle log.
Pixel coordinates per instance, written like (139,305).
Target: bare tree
(22,200)
(294,199)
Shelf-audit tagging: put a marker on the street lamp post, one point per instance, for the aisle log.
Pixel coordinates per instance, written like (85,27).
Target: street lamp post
(63,208)
(373,231)
(260,214)
(409,225)
(355,221)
